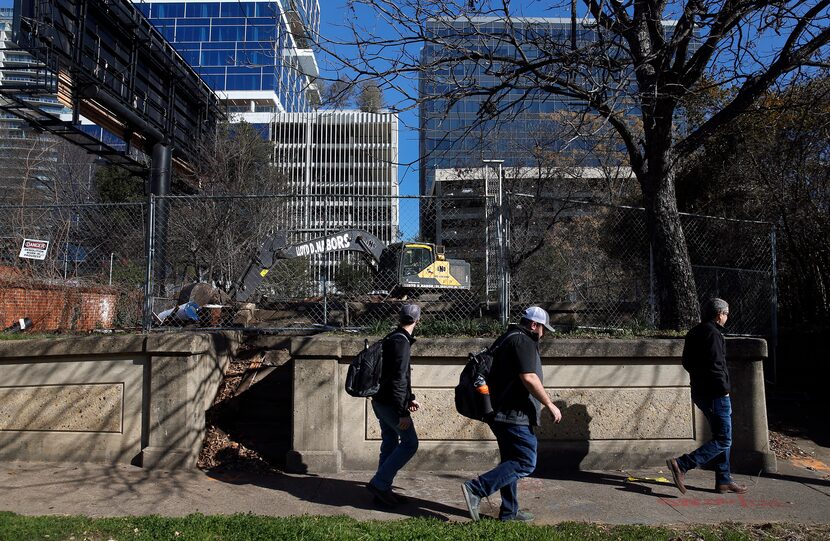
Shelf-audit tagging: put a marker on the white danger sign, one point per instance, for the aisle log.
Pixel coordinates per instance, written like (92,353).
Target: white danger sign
(34,249)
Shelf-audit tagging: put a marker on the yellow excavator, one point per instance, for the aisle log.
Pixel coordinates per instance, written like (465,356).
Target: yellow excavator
(404,267)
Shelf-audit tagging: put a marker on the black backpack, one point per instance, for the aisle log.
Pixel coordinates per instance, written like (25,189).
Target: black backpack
(363,377)
(470,401)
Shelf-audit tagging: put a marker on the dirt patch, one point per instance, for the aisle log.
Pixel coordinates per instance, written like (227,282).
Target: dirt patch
(219,450)
(785,447)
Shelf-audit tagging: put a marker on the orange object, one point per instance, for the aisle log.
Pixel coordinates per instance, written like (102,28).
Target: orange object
(483,389)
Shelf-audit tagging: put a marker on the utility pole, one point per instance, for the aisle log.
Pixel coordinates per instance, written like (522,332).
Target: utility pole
(501,238)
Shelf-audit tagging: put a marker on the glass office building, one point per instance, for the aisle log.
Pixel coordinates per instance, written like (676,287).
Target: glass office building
(28,158)
(256,55)
(452,133)
(259,52)
(523,128)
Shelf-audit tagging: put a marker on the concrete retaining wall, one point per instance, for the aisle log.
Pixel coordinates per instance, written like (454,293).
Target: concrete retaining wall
(116,399)
(625,404)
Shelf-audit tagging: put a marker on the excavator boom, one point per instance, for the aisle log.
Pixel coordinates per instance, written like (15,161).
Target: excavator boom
(275,248)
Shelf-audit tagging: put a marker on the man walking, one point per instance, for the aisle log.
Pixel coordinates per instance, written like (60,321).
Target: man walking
(517,396)
(704,357)
(393,404)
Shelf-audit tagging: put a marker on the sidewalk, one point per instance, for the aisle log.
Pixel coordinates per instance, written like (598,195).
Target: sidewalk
(795,494)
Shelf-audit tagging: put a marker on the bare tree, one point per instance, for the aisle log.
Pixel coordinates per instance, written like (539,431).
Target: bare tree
(632,63)
(245,197)
(337,93)
(771,164)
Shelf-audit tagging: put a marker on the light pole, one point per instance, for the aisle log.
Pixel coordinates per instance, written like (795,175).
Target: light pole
(504,294)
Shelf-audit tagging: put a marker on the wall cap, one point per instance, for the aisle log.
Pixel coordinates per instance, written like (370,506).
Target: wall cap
(169,344)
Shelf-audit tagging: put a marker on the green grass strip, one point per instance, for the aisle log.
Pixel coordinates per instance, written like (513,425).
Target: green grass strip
(253,527)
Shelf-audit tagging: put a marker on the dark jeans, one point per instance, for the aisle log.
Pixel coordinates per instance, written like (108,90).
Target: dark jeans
(397,446)
(718,412)
(517,449)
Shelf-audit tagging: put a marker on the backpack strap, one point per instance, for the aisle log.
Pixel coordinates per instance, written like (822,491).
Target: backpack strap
(498,343)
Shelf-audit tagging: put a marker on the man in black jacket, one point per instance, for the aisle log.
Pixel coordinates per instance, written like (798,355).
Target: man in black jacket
(704,357)
(518,395)
(393,404)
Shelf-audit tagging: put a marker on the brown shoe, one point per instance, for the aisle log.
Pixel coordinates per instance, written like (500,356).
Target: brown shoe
(677,474)
(731,487)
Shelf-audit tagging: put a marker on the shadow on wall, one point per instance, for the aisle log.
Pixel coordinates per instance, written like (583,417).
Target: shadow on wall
(72,400)
(565,445)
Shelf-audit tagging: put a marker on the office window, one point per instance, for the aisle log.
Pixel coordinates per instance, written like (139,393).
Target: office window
(161,11)
(232,9)
(228,33)
(202,9)
(249,81)
(192,33)
(261,33)
(217,58)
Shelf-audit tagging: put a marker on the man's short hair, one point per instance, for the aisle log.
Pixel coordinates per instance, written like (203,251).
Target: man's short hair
(409,313)
(712,308)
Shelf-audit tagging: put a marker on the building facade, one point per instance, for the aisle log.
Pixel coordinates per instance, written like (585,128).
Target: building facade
(27,158)
(256,55)
(341,166)
(473,151)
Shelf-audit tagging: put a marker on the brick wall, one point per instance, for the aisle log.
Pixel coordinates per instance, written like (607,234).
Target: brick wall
(54,308)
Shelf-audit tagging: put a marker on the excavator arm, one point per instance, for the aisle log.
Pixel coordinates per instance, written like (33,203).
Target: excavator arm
(275,248)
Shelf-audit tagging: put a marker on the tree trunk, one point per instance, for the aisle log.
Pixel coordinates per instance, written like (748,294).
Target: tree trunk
(676,292)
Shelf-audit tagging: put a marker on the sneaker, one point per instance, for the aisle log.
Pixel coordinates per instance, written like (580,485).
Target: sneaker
(521,516)
(677,474)
(384,497)
(400,498)
(730,487)
(471,499)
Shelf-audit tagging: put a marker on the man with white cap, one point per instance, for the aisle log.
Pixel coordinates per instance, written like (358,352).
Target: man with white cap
(393,404)
(518,395)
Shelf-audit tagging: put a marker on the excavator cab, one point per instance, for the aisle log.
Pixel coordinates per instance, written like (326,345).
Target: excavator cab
(423,265)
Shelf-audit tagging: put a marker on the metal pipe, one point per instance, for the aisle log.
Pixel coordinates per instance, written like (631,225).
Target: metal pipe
(773,350)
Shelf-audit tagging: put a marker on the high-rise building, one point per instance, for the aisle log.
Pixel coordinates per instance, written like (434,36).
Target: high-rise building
(255,54)
(27,157)
(459,131)
(470,146)
(342,166)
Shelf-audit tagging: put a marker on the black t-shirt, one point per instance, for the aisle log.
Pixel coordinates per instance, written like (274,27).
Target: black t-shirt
(516,352)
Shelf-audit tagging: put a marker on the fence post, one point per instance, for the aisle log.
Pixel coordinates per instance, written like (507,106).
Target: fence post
(773,350)
(149,243)
(651,302)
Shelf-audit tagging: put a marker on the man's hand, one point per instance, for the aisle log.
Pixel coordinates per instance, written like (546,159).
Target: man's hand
(414,406)
(534,385)
(404,423)
(555,414)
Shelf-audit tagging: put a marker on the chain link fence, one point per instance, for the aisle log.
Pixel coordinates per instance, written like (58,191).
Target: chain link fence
(77,267)
(314,281)
(593,265)
(589,265)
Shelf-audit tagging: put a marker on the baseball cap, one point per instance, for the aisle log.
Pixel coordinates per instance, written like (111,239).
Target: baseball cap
(409,313)
(534,313)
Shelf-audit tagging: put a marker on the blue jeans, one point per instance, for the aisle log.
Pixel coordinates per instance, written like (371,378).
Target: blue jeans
(718,412)
(397,446)
(517,449)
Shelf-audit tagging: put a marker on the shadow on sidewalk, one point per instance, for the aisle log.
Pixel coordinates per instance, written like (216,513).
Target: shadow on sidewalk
(617,480)
(335,493)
